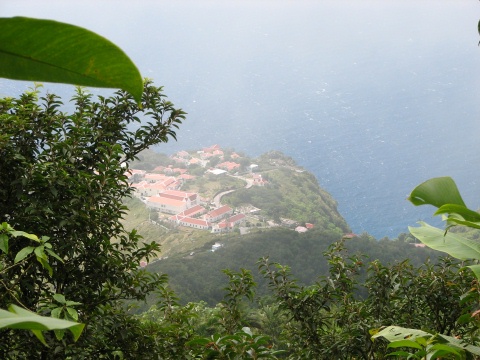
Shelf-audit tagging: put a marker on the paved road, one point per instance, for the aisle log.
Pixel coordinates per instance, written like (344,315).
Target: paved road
(218,197)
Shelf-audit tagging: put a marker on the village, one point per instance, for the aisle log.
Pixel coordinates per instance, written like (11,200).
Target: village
(161,190)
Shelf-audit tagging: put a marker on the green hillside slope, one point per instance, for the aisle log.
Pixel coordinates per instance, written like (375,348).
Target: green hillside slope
(199,277)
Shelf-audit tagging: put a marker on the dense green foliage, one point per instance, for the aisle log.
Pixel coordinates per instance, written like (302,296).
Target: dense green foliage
(200,278)
(327,319)
(63,176)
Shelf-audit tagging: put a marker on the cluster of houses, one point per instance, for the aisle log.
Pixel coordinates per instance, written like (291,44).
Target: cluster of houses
(161,192)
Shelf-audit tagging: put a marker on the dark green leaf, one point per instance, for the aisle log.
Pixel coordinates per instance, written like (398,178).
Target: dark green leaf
(4,243)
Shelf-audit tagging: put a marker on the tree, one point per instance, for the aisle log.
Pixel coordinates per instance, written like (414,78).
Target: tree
(64,176)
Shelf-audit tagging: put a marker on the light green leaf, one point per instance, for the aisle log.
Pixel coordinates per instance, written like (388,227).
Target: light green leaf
(22,254)
(24,234)
(59,298)
(397,333)
(446,349)
(460,344)
(73,303)
(437,192)
(405,343)
(4,243)
(465,213)
(476,270)
(45,265)
(55,313)
(452,244)
(453,220)
(73,313)
(59,334)
(40,253)
(46,50)
(400,353)
(247,330)
(18,318)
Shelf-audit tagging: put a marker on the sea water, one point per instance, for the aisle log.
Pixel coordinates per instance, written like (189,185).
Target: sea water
(372,97)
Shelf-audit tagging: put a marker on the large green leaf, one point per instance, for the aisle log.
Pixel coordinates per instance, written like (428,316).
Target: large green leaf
(453,244)
(46,50)
(437,192)
(462,211)
(397,333)
(18,318)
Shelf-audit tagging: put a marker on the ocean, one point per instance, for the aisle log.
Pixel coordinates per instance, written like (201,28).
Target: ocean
(372,97)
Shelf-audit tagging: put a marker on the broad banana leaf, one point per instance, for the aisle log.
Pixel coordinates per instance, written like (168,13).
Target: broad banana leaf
(51,51)
(453,244)
(437,192)
(450,243)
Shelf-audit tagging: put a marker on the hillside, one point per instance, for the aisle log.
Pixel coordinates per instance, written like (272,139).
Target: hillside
(270,191)
(292,193)
(200,277)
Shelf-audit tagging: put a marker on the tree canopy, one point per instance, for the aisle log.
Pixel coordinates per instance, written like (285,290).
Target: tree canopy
(64,175)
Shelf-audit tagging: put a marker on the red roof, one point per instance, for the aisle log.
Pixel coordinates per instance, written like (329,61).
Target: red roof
(194,221)
(166,201)
(235,218)
(193,210)
(211,148)
(220,211)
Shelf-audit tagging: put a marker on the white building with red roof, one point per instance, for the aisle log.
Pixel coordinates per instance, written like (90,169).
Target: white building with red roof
(218,213)
(197,161)
(195,223)
(229,166)
(173,201)
(166,204)
(258,180)
(228,224)
(187,177)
